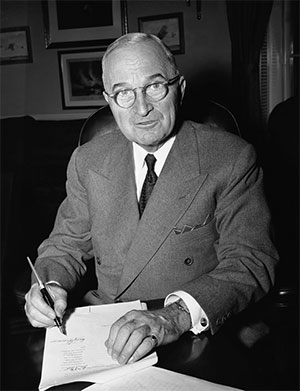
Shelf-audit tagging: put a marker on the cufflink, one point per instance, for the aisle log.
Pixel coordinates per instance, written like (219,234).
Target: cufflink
(203,322)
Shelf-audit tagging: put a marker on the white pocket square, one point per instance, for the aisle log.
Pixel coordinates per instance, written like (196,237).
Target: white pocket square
(189,228)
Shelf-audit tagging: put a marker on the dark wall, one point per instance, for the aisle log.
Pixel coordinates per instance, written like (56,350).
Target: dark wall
(35,89)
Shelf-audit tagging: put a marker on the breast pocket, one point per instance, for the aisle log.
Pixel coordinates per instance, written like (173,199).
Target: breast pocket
(195,241)
(193,253)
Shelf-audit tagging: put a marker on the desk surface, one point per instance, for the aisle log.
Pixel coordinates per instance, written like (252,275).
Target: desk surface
(224,358)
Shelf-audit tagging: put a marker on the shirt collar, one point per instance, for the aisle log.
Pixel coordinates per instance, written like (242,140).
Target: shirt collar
(161,154)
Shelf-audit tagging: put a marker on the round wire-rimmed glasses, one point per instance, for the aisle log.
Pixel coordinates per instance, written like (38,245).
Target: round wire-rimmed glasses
(153,92)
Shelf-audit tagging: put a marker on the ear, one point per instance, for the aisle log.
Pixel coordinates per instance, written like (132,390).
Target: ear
(182,85)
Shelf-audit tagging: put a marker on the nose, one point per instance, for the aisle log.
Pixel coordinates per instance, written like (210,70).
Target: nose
(141,105)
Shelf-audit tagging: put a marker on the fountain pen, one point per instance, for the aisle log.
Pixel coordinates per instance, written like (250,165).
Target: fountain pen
(46,296)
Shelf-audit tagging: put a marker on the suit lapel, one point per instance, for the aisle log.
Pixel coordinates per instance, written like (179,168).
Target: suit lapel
(115,190)
(177,185)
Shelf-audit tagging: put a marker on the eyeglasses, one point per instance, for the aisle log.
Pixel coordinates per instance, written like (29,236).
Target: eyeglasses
(153,92)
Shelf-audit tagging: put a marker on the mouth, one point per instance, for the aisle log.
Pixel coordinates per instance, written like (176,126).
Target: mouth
(146,124)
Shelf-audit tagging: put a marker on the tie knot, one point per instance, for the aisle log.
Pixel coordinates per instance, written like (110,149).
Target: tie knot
(150,161)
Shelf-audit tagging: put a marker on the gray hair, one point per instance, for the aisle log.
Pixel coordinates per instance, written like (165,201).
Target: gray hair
(133,38)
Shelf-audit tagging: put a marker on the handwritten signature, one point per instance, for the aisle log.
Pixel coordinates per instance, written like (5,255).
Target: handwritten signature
(69,341)
(76,368)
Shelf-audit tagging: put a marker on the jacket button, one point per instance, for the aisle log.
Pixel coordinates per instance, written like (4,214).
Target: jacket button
(98,260)
(188,261)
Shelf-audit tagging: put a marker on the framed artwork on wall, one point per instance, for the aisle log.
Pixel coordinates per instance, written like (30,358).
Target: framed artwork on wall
(81,78)
(168,27)
(74,23)
(15,45)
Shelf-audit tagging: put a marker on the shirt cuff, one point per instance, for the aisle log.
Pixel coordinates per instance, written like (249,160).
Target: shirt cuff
(199,319)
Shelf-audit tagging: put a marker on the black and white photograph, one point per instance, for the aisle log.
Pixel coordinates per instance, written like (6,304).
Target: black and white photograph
(149,195)
(169,28)
(73,23)
(15,45)
(81,78)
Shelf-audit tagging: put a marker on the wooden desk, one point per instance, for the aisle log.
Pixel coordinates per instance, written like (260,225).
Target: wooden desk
(221,358)
(213,358)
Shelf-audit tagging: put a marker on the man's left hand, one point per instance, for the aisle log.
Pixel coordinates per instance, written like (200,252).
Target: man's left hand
(138,332)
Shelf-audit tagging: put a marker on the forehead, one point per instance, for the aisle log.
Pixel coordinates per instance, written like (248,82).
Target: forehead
(136,62)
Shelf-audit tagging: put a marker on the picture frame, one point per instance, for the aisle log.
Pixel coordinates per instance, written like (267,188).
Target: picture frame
(168,27)
(90,23)
(15,45)
(81,78)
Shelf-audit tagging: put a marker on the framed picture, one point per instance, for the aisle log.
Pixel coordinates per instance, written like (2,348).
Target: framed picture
(15,45)
(81,78)
(168,27)
(74,23)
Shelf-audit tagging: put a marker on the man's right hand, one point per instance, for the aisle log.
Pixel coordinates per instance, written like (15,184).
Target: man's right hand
(38,311)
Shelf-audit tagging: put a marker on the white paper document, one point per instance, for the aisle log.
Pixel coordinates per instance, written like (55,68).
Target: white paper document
(157,379)
(81,355)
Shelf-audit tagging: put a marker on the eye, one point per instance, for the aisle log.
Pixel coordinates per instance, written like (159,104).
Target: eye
(155,87)
(124,93)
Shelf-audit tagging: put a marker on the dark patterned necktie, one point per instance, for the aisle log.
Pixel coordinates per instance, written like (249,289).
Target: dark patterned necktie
(149,182)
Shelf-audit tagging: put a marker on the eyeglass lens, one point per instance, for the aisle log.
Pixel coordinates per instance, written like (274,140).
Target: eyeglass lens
(154,91)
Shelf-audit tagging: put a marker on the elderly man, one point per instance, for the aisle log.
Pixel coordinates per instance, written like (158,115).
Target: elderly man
(201,240)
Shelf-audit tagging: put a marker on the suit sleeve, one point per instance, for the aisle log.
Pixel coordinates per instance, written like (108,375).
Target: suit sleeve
(61,257)
(245,251)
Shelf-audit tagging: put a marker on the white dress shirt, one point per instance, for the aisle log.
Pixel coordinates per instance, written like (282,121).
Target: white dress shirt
(198,317)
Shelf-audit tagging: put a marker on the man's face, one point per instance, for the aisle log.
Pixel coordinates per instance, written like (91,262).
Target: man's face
(147,123)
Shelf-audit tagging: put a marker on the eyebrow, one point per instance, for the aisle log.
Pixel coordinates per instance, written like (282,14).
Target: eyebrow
(150,78)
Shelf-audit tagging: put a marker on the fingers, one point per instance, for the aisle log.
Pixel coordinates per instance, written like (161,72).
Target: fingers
(113,332)
(130,337)
(37,310)
(127,342)
(148,344)
(131,346)
(136,333)
(59,296)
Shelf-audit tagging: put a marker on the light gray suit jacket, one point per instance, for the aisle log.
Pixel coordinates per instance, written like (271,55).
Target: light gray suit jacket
(206,228)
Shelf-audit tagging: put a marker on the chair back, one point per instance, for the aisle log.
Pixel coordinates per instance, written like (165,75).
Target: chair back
(95,123)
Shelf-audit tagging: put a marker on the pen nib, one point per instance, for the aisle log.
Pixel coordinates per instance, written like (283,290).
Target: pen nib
(62,329)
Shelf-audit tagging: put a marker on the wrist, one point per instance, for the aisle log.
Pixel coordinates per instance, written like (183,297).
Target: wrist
(182,316)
